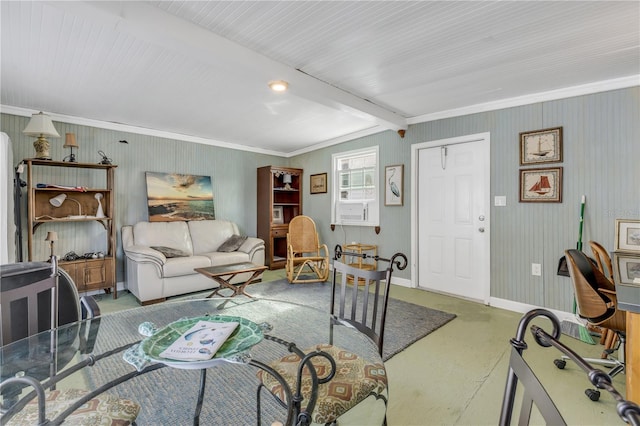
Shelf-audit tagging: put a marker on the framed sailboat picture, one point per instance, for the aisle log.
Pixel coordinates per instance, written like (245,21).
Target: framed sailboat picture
(541,185)
(541,146)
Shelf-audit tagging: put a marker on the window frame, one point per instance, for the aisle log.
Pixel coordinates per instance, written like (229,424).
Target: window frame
(372,206)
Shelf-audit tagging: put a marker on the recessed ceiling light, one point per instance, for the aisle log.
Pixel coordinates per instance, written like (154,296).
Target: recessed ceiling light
(278,85)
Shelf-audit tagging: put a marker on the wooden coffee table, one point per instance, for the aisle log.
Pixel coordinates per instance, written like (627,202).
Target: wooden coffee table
(225,273)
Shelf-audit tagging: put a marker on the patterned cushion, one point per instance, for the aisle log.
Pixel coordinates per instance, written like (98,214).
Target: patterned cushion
(354,381)
(103,410)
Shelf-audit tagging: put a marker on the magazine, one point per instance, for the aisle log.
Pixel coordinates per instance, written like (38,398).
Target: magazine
(200,342)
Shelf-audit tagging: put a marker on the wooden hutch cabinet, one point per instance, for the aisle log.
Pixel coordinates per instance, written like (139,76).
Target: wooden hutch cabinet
(279,201)
(76,204)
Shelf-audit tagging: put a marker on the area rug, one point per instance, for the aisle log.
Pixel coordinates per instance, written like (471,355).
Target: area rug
(168,396)
(406,322)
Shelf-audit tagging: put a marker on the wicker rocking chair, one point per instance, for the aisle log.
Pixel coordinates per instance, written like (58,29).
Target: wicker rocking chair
(307,259)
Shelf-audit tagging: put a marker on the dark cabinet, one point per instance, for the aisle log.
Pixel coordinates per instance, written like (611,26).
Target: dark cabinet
(279,200)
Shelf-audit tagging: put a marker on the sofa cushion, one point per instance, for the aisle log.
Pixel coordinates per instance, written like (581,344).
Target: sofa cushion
(219,258)
(167,234)
(208,235)
(233,243)
(170,252)
(179,266)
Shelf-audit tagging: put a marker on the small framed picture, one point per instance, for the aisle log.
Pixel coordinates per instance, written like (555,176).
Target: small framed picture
(541,185)
(628,235)
(318,183)
(626,269)
(541,146)
(394,185)
(278,217)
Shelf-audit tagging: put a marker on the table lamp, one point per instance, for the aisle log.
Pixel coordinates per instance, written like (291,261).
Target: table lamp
(61,198)
(70,142)
(41,126)
(100,211)
(286,179)
(52,237)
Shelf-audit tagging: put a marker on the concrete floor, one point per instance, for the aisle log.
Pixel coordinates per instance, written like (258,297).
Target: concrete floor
(456,375)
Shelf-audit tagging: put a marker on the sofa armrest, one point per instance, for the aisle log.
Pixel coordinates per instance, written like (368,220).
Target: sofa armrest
(251,246)
(139,253)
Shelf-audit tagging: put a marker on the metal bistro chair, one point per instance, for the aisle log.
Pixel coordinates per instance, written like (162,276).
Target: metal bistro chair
(35,297)
(362,305)
(535,393)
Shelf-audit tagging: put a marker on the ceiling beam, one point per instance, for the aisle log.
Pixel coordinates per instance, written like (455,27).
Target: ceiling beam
(160,28)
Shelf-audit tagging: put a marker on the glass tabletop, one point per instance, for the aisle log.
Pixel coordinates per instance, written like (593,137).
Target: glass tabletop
(303,325)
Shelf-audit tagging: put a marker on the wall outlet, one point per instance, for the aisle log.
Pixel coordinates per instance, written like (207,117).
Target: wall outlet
(536,269)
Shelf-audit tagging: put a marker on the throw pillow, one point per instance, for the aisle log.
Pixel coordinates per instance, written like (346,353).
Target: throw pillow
(233,243)
(170,252)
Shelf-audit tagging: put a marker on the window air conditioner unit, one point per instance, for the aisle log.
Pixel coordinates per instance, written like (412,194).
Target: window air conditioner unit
(352,212)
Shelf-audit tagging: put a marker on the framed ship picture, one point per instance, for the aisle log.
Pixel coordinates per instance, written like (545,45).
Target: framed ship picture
(541,185)
(541,146)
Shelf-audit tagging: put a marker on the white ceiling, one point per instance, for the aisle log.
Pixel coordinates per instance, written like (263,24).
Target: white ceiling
(201,69)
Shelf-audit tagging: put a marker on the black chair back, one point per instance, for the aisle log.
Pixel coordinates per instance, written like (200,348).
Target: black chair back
(360,297)
(35,297)
(27,299)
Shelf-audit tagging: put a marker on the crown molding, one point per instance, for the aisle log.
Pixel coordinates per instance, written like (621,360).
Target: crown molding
(568,92)
(25,112)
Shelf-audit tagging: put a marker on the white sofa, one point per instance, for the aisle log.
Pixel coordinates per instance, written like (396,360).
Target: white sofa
(152,277)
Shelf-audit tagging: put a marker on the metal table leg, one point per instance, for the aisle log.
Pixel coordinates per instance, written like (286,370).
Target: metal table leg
(203,382)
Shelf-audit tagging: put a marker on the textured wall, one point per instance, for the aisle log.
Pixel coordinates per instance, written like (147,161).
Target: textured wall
(233,176)
(601,156)
(601,147)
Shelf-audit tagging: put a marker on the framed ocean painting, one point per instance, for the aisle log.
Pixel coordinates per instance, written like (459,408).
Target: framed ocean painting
(175,197)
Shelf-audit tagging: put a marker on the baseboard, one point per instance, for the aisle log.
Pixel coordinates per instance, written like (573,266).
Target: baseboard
(510,305)
(402,282)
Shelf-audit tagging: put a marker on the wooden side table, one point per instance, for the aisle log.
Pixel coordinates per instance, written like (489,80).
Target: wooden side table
(359,262)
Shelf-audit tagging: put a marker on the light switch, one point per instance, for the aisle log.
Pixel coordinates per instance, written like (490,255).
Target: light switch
(500,200)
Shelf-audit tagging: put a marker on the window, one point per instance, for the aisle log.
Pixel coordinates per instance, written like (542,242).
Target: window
(355,188)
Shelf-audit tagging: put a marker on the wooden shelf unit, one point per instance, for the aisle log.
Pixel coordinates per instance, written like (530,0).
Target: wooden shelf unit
(88,274)
(273,194)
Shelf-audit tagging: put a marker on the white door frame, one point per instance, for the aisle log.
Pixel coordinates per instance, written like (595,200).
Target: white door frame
(485,138)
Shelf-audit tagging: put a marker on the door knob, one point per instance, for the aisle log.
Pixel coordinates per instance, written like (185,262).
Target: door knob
(481,218)
(481,229)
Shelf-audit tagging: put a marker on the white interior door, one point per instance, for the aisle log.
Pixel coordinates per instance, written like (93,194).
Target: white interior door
(452,187)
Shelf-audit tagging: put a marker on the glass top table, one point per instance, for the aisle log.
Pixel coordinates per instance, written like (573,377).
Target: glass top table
(168,395)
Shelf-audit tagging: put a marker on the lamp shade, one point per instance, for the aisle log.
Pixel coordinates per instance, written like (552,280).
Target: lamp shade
(52,236)
(40,124)
(286,178)
(70,141)
(58,200)
(61,198)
